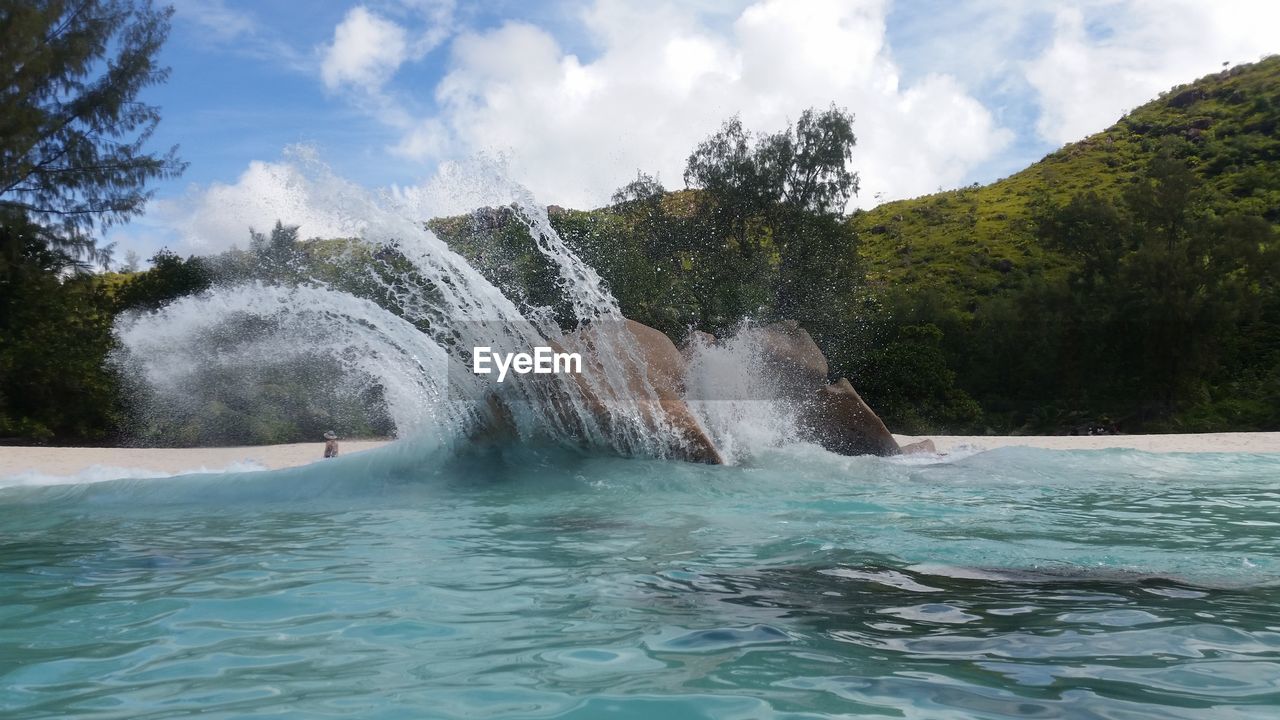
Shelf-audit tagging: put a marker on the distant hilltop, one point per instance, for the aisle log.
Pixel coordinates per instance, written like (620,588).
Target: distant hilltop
(976,241)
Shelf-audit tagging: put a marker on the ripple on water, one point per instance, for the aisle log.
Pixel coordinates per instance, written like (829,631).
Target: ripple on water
(999,585)
(719,639)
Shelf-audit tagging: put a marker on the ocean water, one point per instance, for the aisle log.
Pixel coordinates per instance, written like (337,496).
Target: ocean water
(538,583)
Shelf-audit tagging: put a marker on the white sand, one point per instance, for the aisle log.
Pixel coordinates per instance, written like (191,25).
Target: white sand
(65,461)
(1267,442)
(72,460)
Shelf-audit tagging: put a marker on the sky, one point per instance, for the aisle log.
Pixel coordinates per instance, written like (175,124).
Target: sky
(577,96)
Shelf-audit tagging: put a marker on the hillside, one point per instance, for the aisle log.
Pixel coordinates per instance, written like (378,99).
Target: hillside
(1125,278)
(975,241)
(1143,310)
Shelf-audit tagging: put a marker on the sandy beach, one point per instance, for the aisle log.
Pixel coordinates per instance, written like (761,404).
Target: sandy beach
(63,461)
(67,461)
(1249,442)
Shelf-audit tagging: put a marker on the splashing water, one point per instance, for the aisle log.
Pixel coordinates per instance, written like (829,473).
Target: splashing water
(731,393)
(548,584)
(416,348)
(431,579)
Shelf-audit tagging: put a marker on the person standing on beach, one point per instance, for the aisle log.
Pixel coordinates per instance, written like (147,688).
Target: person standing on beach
(330,444)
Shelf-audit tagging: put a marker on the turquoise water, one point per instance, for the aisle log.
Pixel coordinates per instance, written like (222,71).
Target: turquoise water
(535,584)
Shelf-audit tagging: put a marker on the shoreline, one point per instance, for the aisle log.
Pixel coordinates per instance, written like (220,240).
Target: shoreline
(20,460)
(1237,442)
(16,460)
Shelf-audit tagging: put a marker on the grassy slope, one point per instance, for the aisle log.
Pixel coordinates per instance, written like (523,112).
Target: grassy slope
(974,242)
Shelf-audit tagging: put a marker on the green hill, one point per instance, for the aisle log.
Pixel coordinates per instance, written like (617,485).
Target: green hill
(1126,278)
(976,241)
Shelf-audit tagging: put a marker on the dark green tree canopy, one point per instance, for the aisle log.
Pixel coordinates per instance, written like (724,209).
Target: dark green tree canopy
(644,189)
(279,248)
(805,167)
(72,130)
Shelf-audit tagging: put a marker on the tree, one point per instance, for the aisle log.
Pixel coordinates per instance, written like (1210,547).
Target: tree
(1192,277)
(1160,290)
(277,252)
(1089,229)
(775,204)
(55,333)
(804,167)
(644,190)
(169,278)
(72,130)
(73,160)
(907,379)
(132,262)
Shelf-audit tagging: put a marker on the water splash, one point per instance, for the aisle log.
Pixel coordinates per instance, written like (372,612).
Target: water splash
(730,391)
(172,348)
(415,342)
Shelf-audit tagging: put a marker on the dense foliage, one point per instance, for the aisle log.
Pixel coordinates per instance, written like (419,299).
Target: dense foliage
(1126,280)
(72,159)
(55,332)
(72,134)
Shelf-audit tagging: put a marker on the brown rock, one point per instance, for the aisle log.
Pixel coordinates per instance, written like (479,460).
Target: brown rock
(696,339)
(697,445)
(919,447)
(832,415)
(644,356)
(841,422)
(792,357)
(661,363)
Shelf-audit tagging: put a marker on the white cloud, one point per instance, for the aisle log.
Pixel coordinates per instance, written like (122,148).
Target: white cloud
(237,31)
(578,129)
(423,138)
(368,48)
(1108,57)
(365,51)
(211,219)
(217,22)
(435,21)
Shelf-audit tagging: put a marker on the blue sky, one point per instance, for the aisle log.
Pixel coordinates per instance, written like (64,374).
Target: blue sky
(578,95)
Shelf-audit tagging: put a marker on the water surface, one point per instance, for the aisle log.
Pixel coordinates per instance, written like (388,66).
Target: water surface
(540,584)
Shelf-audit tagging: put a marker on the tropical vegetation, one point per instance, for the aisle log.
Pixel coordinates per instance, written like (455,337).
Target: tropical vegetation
(1126,281)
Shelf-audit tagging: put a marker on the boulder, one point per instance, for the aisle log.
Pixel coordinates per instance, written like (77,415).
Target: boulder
(662,366)
(644,356)
(837,419)
(659,361)
(695,341)
(790,355)
(832,415)
(919,447)
(653,372)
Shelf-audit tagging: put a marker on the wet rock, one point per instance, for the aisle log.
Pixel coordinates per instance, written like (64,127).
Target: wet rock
(839,420)
(652,373)
(648,361)
(694,342)
(925,446)
(792,357)
(832,415)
